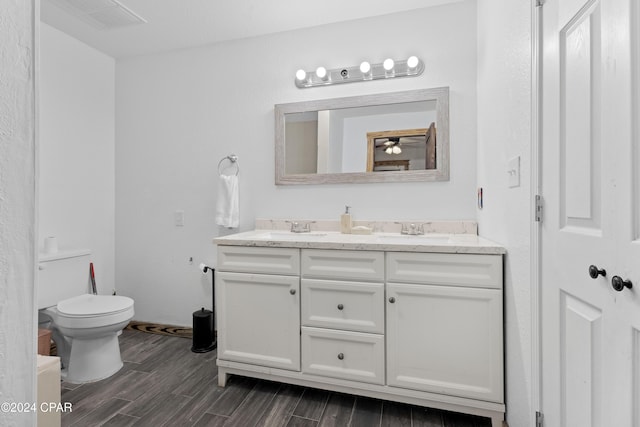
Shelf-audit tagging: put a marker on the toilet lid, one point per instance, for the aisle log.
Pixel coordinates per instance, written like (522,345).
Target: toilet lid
(94,305)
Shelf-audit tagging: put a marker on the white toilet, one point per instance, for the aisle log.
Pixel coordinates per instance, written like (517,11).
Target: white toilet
(84,326)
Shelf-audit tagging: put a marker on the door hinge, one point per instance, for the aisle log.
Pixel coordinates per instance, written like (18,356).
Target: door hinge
(540,3)
(538,208)
(539,419)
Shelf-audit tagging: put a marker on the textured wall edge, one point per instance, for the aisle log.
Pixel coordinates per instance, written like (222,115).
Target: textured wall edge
(17,206)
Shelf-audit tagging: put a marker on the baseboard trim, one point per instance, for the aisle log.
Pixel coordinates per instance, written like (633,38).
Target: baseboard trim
(150,328)
(160,329)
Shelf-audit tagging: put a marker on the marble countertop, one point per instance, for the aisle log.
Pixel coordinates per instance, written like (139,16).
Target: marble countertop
(379,241)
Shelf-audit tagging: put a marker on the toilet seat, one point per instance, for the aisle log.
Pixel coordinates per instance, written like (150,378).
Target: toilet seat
(90,311)
(89,305)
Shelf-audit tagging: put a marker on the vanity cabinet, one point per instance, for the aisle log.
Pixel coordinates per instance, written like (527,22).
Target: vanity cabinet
(415,327)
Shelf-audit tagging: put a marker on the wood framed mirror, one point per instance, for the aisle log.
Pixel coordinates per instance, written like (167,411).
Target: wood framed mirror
(333,140)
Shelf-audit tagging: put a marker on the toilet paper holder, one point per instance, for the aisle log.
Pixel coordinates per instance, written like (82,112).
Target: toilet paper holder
(203,344)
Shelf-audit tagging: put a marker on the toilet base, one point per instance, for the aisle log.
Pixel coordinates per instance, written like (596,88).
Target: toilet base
(93,359)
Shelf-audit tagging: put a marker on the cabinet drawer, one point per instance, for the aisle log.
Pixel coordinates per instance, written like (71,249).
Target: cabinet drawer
(345,355)
(243,259)
(354,306)
(483,271)
(343,265)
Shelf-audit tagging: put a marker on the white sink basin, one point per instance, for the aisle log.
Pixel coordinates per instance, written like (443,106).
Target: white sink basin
(287,235)
(407,239)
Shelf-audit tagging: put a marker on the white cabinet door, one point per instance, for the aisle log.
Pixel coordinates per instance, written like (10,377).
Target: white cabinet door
(258,319)
(445,339)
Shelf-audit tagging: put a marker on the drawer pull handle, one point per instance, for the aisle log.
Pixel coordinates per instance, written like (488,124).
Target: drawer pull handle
(340,356)
(392,300)
(340,306)
(292,291)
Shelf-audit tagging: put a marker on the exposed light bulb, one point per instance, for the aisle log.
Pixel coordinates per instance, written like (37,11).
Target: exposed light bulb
(388,150)
(412,62)
(365,67)
(388,64)
(301,75)
(321,72)
(396,150)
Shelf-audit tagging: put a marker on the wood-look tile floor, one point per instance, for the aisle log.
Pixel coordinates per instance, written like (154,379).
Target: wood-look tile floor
(163,383)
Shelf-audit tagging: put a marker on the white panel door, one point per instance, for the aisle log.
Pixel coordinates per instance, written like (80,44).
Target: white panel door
(589,151)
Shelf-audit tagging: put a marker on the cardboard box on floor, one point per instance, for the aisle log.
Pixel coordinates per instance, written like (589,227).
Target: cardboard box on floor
(48,381)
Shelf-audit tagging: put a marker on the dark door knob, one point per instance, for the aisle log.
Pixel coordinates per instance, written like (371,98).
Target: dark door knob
(618,284)
(341,356)
(340,306)
(594,272)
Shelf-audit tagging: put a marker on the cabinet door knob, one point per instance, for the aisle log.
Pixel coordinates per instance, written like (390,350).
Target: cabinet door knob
(340,306)
(594,272)
(392,300)
(292,291)
(618,284)
(340,356)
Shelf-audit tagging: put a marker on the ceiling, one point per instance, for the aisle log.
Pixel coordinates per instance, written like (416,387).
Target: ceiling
(177,24)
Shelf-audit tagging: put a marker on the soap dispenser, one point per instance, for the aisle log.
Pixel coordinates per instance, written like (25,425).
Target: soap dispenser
(345,221)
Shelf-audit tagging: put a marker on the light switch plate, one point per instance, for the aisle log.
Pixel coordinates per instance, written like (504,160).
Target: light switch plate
(513,170)
(178,218)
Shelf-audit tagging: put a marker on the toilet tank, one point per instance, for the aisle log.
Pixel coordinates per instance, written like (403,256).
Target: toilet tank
(62,275)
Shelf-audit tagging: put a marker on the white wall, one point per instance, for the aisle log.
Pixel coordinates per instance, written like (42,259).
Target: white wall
(504,131)
(18,202)
(179,113)
(77,149)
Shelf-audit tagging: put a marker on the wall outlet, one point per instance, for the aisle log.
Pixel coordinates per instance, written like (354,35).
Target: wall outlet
(513,170)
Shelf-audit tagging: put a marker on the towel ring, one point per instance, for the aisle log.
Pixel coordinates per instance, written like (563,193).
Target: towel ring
(234,161)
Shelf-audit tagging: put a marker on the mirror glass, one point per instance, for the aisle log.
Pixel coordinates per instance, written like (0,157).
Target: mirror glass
(400,136)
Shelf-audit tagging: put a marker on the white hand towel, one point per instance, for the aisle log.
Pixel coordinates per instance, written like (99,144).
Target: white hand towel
(227,212)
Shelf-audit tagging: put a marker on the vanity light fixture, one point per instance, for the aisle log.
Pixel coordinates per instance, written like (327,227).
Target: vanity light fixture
(412,63)
(388,64)
(365,69)
(411,67)
(301,75)
(321,73)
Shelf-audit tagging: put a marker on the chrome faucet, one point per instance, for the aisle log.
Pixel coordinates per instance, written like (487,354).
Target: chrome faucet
(300,227)
(412,229)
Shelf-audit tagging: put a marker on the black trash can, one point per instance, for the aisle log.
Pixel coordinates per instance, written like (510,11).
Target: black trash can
(203,331)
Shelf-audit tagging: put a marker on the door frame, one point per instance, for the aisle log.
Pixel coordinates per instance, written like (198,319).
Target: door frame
(535,188)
